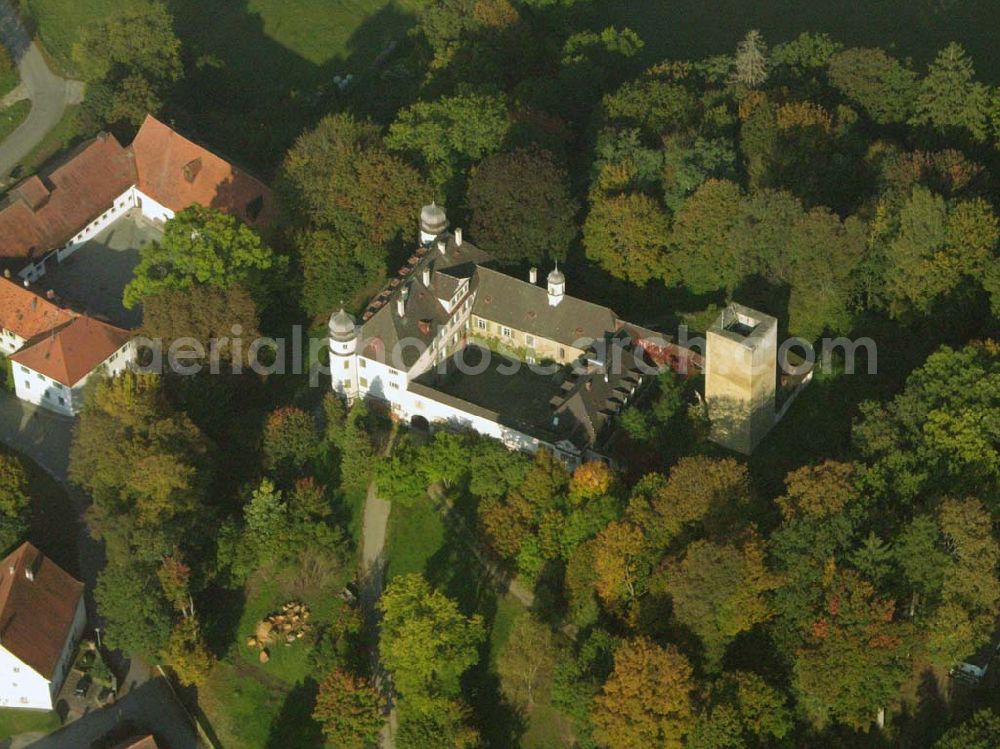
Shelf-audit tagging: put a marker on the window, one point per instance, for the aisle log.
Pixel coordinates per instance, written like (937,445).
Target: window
(506,332)
(24,370)
(362,363)
(394,385)
(40,376)
(347,365)
(363,381)
(562,353)
(24,700)
(481,324)
(530,340)
(17,669)
(62,401)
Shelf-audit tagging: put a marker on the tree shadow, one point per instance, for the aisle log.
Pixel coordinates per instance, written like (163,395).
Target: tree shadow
(222,611)
(294,727)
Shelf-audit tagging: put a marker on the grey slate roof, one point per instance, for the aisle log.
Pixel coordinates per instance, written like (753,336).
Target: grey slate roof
(525,306)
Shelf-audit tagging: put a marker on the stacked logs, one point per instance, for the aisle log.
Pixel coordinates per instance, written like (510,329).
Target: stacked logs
(287,626)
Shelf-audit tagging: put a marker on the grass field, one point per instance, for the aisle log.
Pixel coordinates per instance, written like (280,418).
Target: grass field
(11,117)
(420,541)
(252,704)
(13,722)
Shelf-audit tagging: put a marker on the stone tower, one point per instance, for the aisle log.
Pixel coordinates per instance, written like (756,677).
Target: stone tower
(741,360)
(343,355)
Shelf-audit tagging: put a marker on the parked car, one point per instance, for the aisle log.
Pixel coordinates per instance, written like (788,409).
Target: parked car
(969,673)
(83,686)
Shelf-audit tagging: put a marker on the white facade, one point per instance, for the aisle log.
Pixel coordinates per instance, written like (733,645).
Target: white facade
(34,387)
(23,687)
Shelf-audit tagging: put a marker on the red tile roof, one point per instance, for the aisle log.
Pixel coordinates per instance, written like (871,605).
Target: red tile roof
(27,314)
(36,613)
(46,211)
(146,742)
(176,173)
(71,352)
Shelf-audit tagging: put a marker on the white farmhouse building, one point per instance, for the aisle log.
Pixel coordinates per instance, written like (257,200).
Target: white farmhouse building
(53,351)
(42,619)
(47,219)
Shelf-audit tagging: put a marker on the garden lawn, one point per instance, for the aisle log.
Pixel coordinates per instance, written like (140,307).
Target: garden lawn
(420,541)
(13,722)
(11,117)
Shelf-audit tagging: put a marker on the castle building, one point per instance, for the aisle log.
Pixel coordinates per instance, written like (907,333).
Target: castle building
(452,341)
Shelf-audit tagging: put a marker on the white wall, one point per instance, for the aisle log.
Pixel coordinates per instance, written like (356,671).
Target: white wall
(10,341)
(34,387)
(22,686)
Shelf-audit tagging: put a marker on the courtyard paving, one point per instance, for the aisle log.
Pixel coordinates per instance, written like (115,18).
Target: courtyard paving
(93,278)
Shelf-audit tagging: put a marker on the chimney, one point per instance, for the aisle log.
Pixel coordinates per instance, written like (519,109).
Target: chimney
(12,569)
(458,237)
(6,272)
(26,283)
(29,574)
(442,246)
(426,276)
(50,294)
(404,294)
(533,275)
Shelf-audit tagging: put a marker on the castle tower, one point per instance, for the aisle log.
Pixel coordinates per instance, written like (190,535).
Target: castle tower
(343,354)
(557,286)
(741,360)
(433,223)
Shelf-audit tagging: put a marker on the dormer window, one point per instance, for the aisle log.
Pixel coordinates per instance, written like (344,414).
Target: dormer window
(191,170)
(254,207)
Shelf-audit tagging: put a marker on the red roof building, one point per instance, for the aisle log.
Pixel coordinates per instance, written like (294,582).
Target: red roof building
(41,620)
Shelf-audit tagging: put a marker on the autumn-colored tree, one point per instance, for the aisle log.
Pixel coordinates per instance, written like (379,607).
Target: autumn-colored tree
(647,701)
(212,316)
(621,563)
(627,235)
(743,710)
(818,491)
(969,590)
(854,657)
(981,731)
(347,706)
(708,492)
(187,654)
(719,591)
(591,479)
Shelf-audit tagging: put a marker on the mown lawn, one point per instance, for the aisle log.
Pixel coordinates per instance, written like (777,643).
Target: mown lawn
(251,59)
(13,722)
(11,117)
(420,541)
(256,705)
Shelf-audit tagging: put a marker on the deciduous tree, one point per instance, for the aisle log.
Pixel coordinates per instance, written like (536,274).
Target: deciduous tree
(521,207)
(348,708)
(647,701)
(15,502)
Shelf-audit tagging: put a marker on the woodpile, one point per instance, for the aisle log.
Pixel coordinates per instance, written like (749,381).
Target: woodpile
(287,626)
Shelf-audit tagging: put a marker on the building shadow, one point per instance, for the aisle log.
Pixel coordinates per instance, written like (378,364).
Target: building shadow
(294,727)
